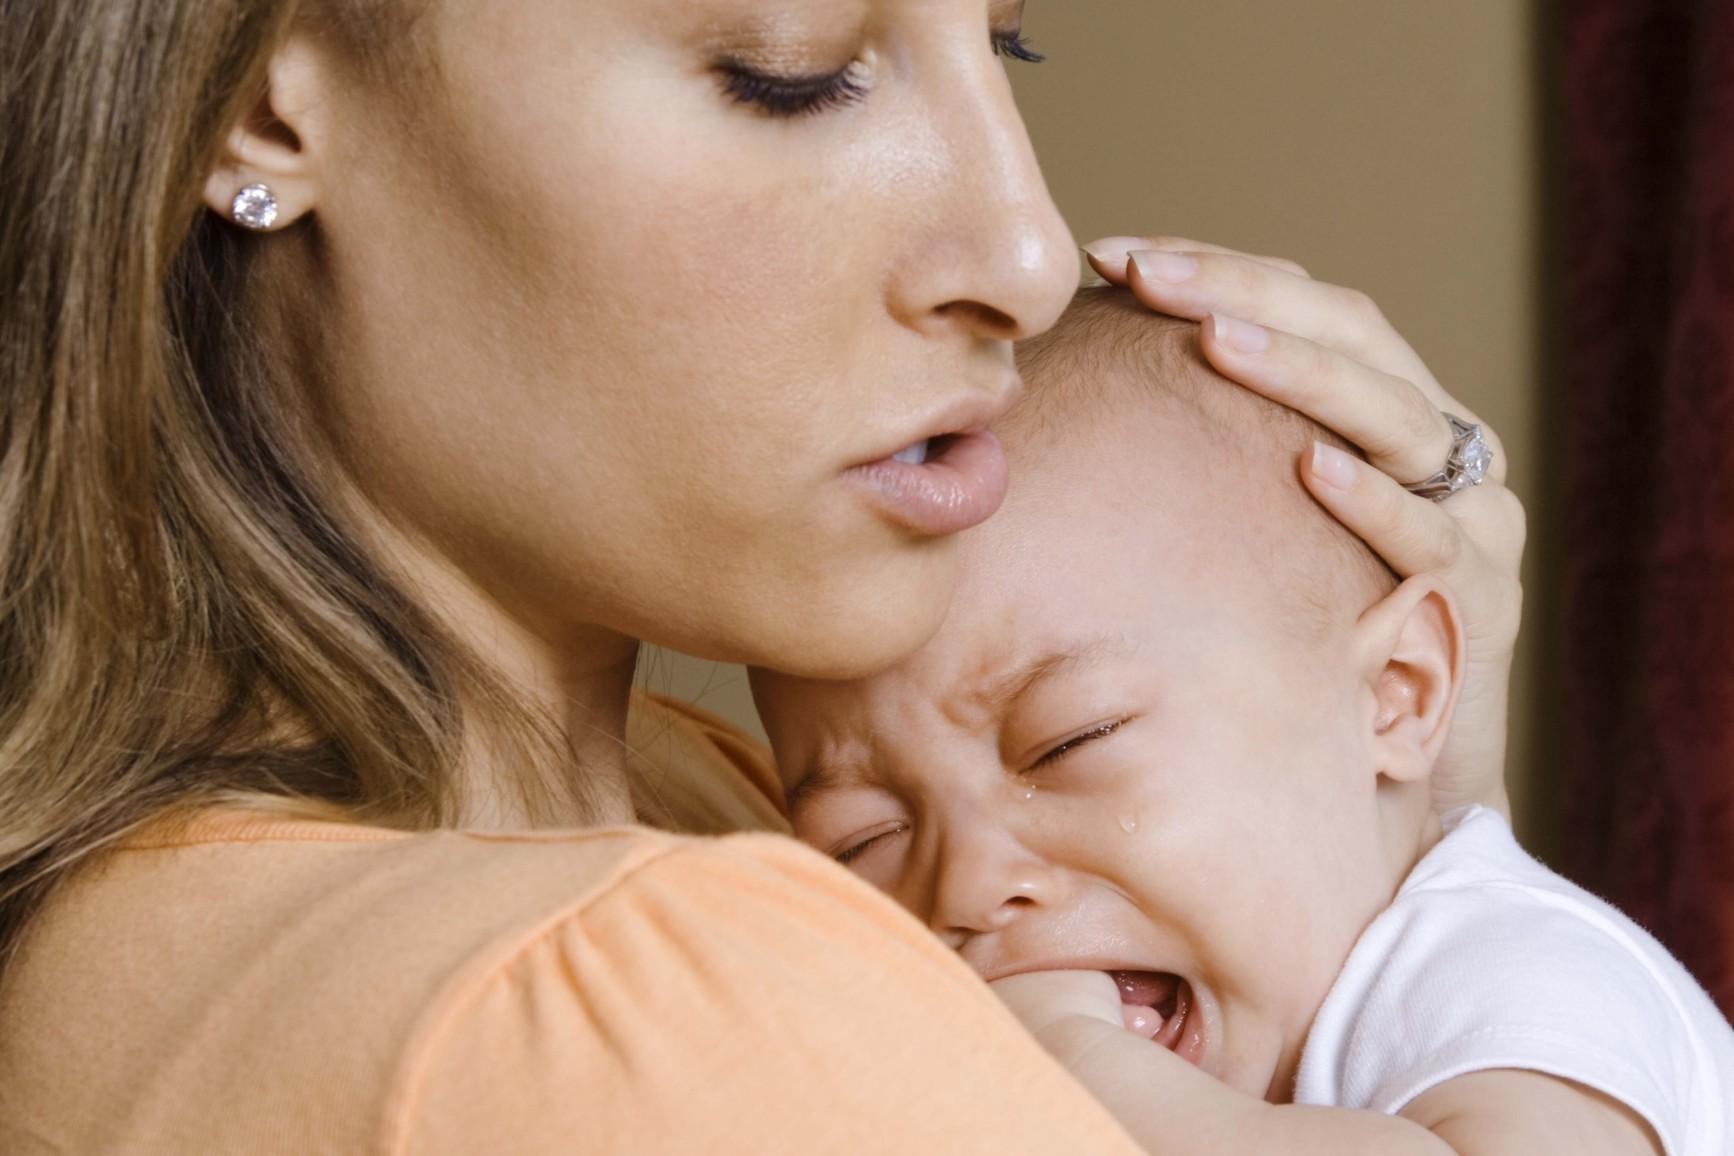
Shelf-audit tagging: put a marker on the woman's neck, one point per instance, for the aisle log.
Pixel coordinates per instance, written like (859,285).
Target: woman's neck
(579,682)
(589,704)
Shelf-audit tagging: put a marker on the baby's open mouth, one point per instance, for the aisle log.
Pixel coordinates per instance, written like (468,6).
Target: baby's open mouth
(1162,1008)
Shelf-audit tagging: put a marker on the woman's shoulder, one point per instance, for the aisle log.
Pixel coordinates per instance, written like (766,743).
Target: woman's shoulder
(427,901)
(210,961)
(698,773)
(242,983)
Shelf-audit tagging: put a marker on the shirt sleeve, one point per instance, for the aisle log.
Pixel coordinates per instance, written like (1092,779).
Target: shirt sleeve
(737,996)
(695,774)
(1503,977)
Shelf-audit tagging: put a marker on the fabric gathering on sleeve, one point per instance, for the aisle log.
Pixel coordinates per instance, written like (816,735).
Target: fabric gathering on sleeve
(736,997)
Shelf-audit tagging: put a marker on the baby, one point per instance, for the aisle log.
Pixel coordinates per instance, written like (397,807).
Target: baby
(1163,778)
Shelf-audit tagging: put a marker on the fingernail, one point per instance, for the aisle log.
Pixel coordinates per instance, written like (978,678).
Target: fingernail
(1155,265)
(1333,467)
(1240,336)
(1113,251)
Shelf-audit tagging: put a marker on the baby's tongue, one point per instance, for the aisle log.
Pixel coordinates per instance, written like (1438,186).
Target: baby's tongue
(1146,999)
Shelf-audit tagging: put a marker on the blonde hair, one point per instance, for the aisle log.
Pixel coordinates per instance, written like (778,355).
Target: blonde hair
(182,620)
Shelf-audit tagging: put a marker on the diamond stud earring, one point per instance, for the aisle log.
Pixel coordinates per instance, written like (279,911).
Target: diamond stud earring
(255,207)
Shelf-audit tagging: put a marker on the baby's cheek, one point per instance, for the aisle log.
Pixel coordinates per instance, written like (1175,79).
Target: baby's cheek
(1290,946)
(1245,908)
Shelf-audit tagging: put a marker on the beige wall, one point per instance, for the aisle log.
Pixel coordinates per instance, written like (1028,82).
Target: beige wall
(1386,144)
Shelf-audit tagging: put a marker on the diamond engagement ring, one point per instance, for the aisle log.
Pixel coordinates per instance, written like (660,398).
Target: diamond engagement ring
(1466,466)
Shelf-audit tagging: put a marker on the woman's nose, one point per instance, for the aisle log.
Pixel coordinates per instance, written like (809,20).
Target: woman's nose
(985,881)
(995,259)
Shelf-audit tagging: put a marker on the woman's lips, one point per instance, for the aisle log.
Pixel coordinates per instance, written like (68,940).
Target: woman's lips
(960,484)
(1164,1009)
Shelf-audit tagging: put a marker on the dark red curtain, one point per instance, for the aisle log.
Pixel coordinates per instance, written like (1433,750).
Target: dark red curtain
(1648,419)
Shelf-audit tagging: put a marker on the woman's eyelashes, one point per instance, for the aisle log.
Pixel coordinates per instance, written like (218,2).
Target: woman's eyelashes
(787,97)
(1014,46)
(793,96)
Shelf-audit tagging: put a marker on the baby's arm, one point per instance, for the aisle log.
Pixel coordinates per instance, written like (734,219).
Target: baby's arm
(1503,1111)
(1173,1109)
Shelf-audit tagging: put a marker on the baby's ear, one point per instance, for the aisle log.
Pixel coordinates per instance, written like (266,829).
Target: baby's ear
(1411,648)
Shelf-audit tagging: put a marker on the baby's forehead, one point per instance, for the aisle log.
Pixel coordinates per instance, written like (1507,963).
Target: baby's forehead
(1124,430)
(1111,369)
(1146,489)
(1123,414)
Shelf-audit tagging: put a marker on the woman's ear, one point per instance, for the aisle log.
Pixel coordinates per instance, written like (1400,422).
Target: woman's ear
(1411,646)
(277,144)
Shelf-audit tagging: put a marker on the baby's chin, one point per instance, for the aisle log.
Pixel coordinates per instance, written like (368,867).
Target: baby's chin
(1248,1050)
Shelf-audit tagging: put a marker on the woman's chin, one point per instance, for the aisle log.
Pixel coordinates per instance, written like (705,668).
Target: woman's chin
(850,629)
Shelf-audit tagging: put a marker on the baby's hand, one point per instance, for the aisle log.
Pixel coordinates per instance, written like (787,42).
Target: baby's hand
(1076,1017)
(1044,1000)
(1163,1102)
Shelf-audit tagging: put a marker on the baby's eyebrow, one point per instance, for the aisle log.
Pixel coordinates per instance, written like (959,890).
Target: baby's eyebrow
(995,697)
(816,779)
(997,694)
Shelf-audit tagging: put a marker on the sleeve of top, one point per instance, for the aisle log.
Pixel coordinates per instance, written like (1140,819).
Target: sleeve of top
(736,996)
(1472,980)
(695,774)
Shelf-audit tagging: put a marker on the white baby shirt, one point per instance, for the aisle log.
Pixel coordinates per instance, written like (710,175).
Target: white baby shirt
(1486,959)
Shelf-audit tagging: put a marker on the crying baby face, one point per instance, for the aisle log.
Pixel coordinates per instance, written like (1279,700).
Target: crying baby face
(1146,740)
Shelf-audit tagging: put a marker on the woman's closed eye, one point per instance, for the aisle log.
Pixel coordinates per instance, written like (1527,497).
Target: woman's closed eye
(788,97)
(794,96)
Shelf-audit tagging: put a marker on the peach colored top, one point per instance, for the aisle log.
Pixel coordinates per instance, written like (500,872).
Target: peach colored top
(243,983)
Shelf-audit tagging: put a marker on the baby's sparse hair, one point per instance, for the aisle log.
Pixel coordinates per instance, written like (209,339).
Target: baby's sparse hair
(1109,352)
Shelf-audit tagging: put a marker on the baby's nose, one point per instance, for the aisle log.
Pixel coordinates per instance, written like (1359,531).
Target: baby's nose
(986,885)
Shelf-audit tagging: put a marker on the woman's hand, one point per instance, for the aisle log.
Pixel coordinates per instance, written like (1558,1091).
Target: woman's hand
(1329,353)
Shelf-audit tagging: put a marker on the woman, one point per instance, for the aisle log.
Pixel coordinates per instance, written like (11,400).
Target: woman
(381,372)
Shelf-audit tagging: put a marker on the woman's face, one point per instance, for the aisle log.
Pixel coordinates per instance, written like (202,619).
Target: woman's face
(624,304)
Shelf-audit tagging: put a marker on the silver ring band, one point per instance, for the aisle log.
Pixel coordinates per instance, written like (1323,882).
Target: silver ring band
(1465,466)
